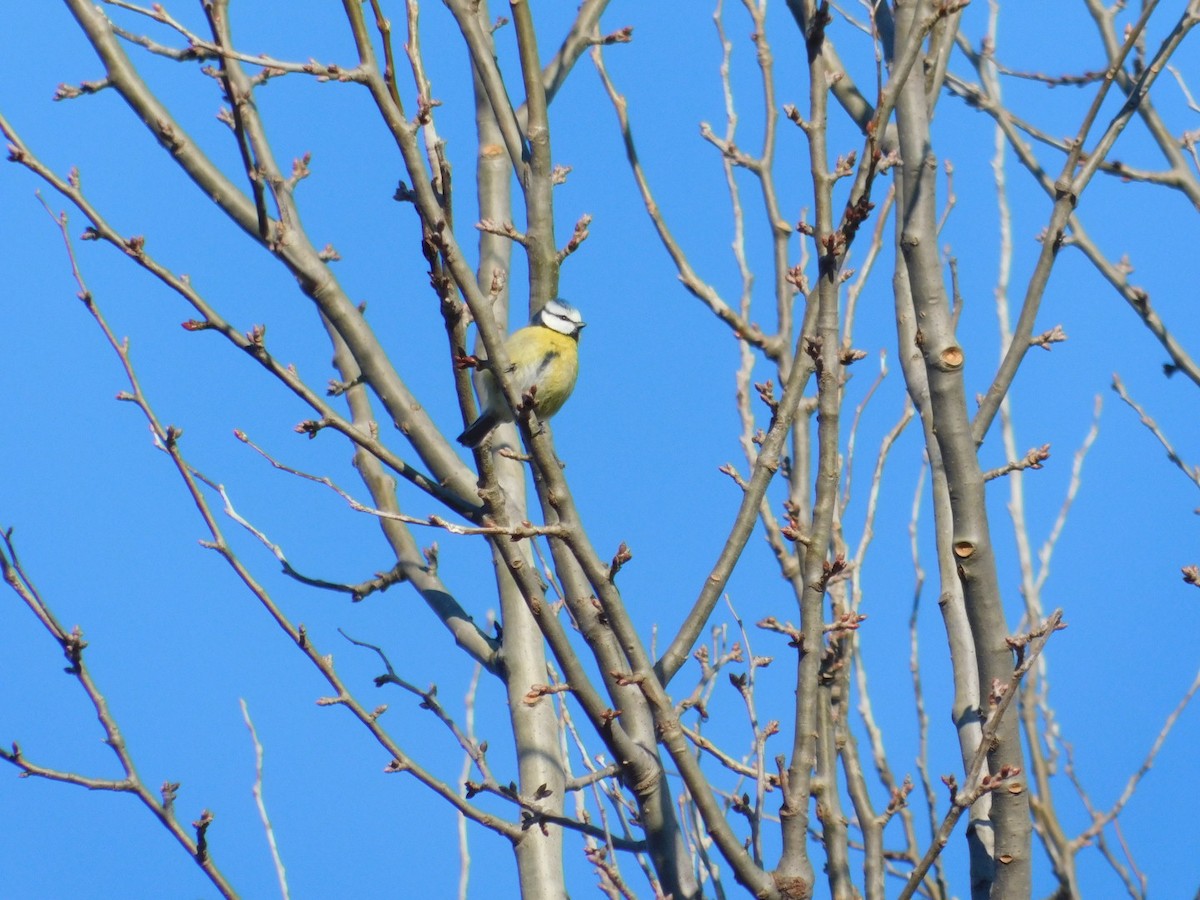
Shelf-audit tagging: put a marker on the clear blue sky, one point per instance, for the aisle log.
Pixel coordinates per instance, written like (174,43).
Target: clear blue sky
(104,528)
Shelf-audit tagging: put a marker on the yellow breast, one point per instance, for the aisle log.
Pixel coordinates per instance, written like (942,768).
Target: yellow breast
(544,358)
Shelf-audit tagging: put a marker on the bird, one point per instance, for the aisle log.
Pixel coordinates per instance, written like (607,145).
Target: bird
(544,363)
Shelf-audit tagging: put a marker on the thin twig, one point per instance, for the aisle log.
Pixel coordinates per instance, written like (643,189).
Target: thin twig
(1192,472)
(280,872)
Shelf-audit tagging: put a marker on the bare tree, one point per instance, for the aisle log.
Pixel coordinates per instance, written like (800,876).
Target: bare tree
(621,751)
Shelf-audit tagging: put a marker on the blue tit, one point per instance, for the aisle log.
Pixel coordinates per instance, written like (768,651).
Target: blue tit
(545,362)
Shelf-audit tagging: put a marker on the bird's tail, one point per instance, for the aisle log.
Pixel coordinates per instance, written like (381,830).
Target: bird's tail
(479,429)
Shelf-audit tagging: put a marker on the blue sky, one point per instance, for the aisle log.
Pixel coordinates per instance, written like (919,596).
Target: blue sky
(105,530)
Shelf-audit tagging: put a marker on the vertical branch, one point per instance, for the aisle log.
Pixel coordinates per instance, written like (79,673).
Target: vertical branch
(977,781)
(781,231)
(971,540)
(536,182)
(540,763)
(914,665)
(280,871)
(1048,824)
(464,848)
(835,835)
(795,866)
(871,824)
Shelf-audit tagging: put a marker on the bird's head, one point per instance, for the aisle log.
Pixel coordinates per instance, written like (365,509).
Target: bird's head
(559,315)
